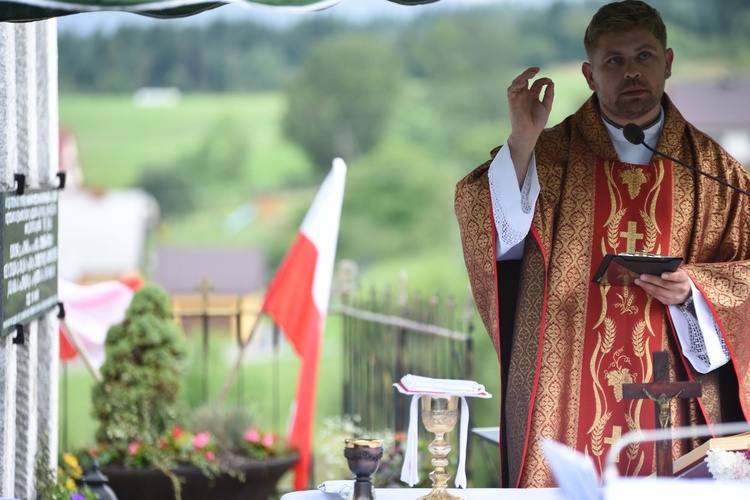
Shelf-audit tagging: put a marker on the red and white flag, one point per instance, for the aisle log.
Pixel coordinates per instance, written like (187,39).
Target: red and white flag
(89,311)
(297,300)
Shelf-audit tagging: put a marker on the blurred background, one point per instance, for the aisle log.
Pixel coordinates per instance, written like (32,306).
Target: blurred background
(194,147)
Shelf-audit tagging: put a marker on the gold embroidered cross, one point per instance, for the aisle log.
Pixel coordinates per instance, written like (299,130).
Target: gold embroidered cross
(631,236)
(616,434)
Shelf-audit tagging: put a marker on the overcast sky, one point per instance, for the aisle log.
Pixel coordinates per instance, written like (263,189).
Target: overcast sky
(357,10)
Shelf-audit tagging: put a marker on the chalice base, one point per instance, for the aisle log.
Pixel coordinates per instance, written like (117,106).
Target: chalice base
(440,494)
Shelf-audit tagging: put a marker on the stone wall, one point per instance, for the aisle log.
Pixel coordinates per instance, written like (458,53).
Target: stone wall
(28,145)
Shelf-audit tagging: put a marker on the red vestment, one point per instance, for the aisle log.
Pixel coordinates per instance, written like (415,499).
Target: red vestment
(573,343)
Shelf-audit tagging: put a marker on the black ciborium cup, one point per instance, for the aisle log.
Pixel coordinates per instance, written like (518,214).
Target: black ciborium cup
(363,456)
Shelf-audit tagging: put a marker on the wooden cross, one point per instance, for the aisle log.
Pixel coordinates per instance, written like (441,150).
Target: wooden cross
(632,236)
(662,392)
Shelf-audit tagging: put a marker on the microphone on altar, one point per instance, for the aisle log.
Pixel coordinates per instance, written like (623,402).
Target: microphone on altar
(635,135)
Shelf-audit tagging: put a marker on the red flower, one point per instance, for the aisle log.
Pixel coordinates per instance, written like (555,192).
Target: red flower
(177,432)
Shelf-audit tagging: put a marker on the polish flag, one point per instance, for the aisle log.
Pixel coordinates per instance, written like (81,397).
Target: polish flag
(90,310)
(297,301)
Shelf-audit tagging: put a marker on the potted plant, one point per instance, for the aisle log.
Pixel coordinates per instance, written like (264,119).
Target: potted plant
(149,445)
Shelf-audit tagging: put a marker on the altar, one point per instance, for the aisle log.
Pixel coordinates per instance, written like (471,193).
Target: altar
(622,489)
(466,494)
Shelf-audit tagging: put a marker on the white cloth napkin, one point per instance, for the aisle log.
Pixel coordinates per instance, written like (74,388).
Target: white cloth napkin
(418,386)
(336,486)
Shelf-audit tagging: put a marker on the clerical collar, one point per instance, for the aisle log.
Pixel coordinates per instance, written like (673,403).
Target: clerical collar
(635,154)
(644,127)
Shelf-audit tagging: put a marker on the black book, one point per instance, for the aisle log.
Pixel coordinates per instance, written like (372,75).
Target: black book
(623,268)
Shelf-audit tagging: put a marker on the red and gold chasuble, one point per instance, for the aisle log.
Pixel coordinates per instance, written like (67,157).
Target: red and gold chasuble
(573,343)
(623,323)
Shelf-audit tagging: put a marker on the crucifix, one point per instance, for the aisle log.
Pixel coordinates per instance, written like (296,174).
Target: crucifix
(661,391)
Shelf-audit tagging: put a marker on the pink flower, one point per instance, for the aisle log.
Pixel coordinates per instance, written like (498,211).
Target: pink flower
(252,436)
(134,447)
(201,440)
(210,456)
(94,452)
(268,440)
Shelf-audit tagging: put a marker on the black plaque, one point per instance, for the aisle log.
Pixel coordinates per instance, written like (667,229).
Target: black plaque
(29,240)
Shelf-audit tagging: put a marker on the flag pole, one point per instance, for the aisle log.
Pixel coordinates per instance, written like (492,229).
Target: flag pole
(238,363)
(76,341)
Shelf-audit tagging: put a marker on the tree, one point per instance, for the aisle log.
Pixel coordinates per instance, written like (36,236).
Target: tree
(341,99)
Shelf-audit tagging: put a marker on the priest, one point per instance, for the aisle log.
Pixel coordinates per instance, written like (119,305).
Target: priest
(536,221)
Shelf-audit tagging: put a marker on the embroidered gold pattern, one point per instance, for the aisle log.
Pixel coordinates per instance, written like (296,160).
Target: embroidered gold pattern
(634,178)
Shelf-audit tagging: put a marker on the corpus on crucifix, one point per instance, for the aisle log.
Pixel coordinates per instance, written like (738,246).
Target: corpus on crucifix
(661,391)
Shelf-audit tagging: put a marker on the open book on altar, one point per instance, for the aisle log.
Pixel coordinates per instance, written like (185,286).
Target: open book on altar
(693,464)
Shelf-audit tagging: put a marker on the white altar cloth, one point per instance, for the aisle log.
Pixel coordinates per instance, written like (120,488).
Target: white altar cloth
(414,493)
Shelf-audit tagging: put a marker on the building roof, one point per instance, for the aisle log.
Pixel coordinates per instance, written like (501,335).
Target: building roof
(714,105)
(232,271)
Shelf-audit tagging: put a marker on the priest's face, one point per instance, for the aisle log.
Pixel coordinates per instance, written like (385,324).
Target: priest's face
(627,70)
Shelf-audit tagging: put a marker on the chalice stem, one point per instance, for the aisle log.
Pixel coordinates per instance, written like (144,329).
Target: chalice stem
(439,449)
(439,415)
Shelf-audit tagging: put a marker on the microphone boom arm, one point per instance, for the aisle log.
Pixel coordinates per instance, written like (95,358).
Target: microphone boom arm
(696,170)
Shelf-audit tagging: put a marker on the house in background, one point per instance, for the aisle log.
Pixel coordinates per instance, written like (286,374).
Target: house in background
(719,108)
(102,234)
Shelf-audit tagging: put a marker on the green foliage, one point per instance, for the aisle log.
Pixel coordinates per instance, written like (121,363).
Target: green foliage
(221,155)
(398,200)
(342,97)
(217,160)
(137,398)
(174,193)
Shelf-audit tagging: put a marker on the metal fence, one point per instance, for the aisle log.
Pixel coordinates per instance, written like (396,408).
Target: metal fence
(387,337)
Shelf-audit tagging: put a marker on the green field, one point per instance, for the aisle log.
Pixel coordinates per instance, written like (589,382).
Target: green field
(117,139)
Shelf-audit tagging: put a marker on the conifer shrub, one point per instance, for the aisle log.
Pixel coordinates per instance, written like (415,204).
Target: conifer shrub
(137,400)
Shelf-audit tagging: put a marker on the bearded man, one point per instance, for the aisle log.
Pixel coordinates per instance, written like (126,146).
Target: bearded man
(536,221)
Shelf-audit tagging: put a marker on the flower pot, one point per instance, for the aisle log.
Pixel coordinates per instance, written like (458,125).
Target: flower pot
(261,477)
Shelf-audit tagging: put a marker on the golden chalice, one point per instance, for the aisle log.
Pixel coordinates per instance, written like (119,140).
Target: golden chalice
(439,416)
